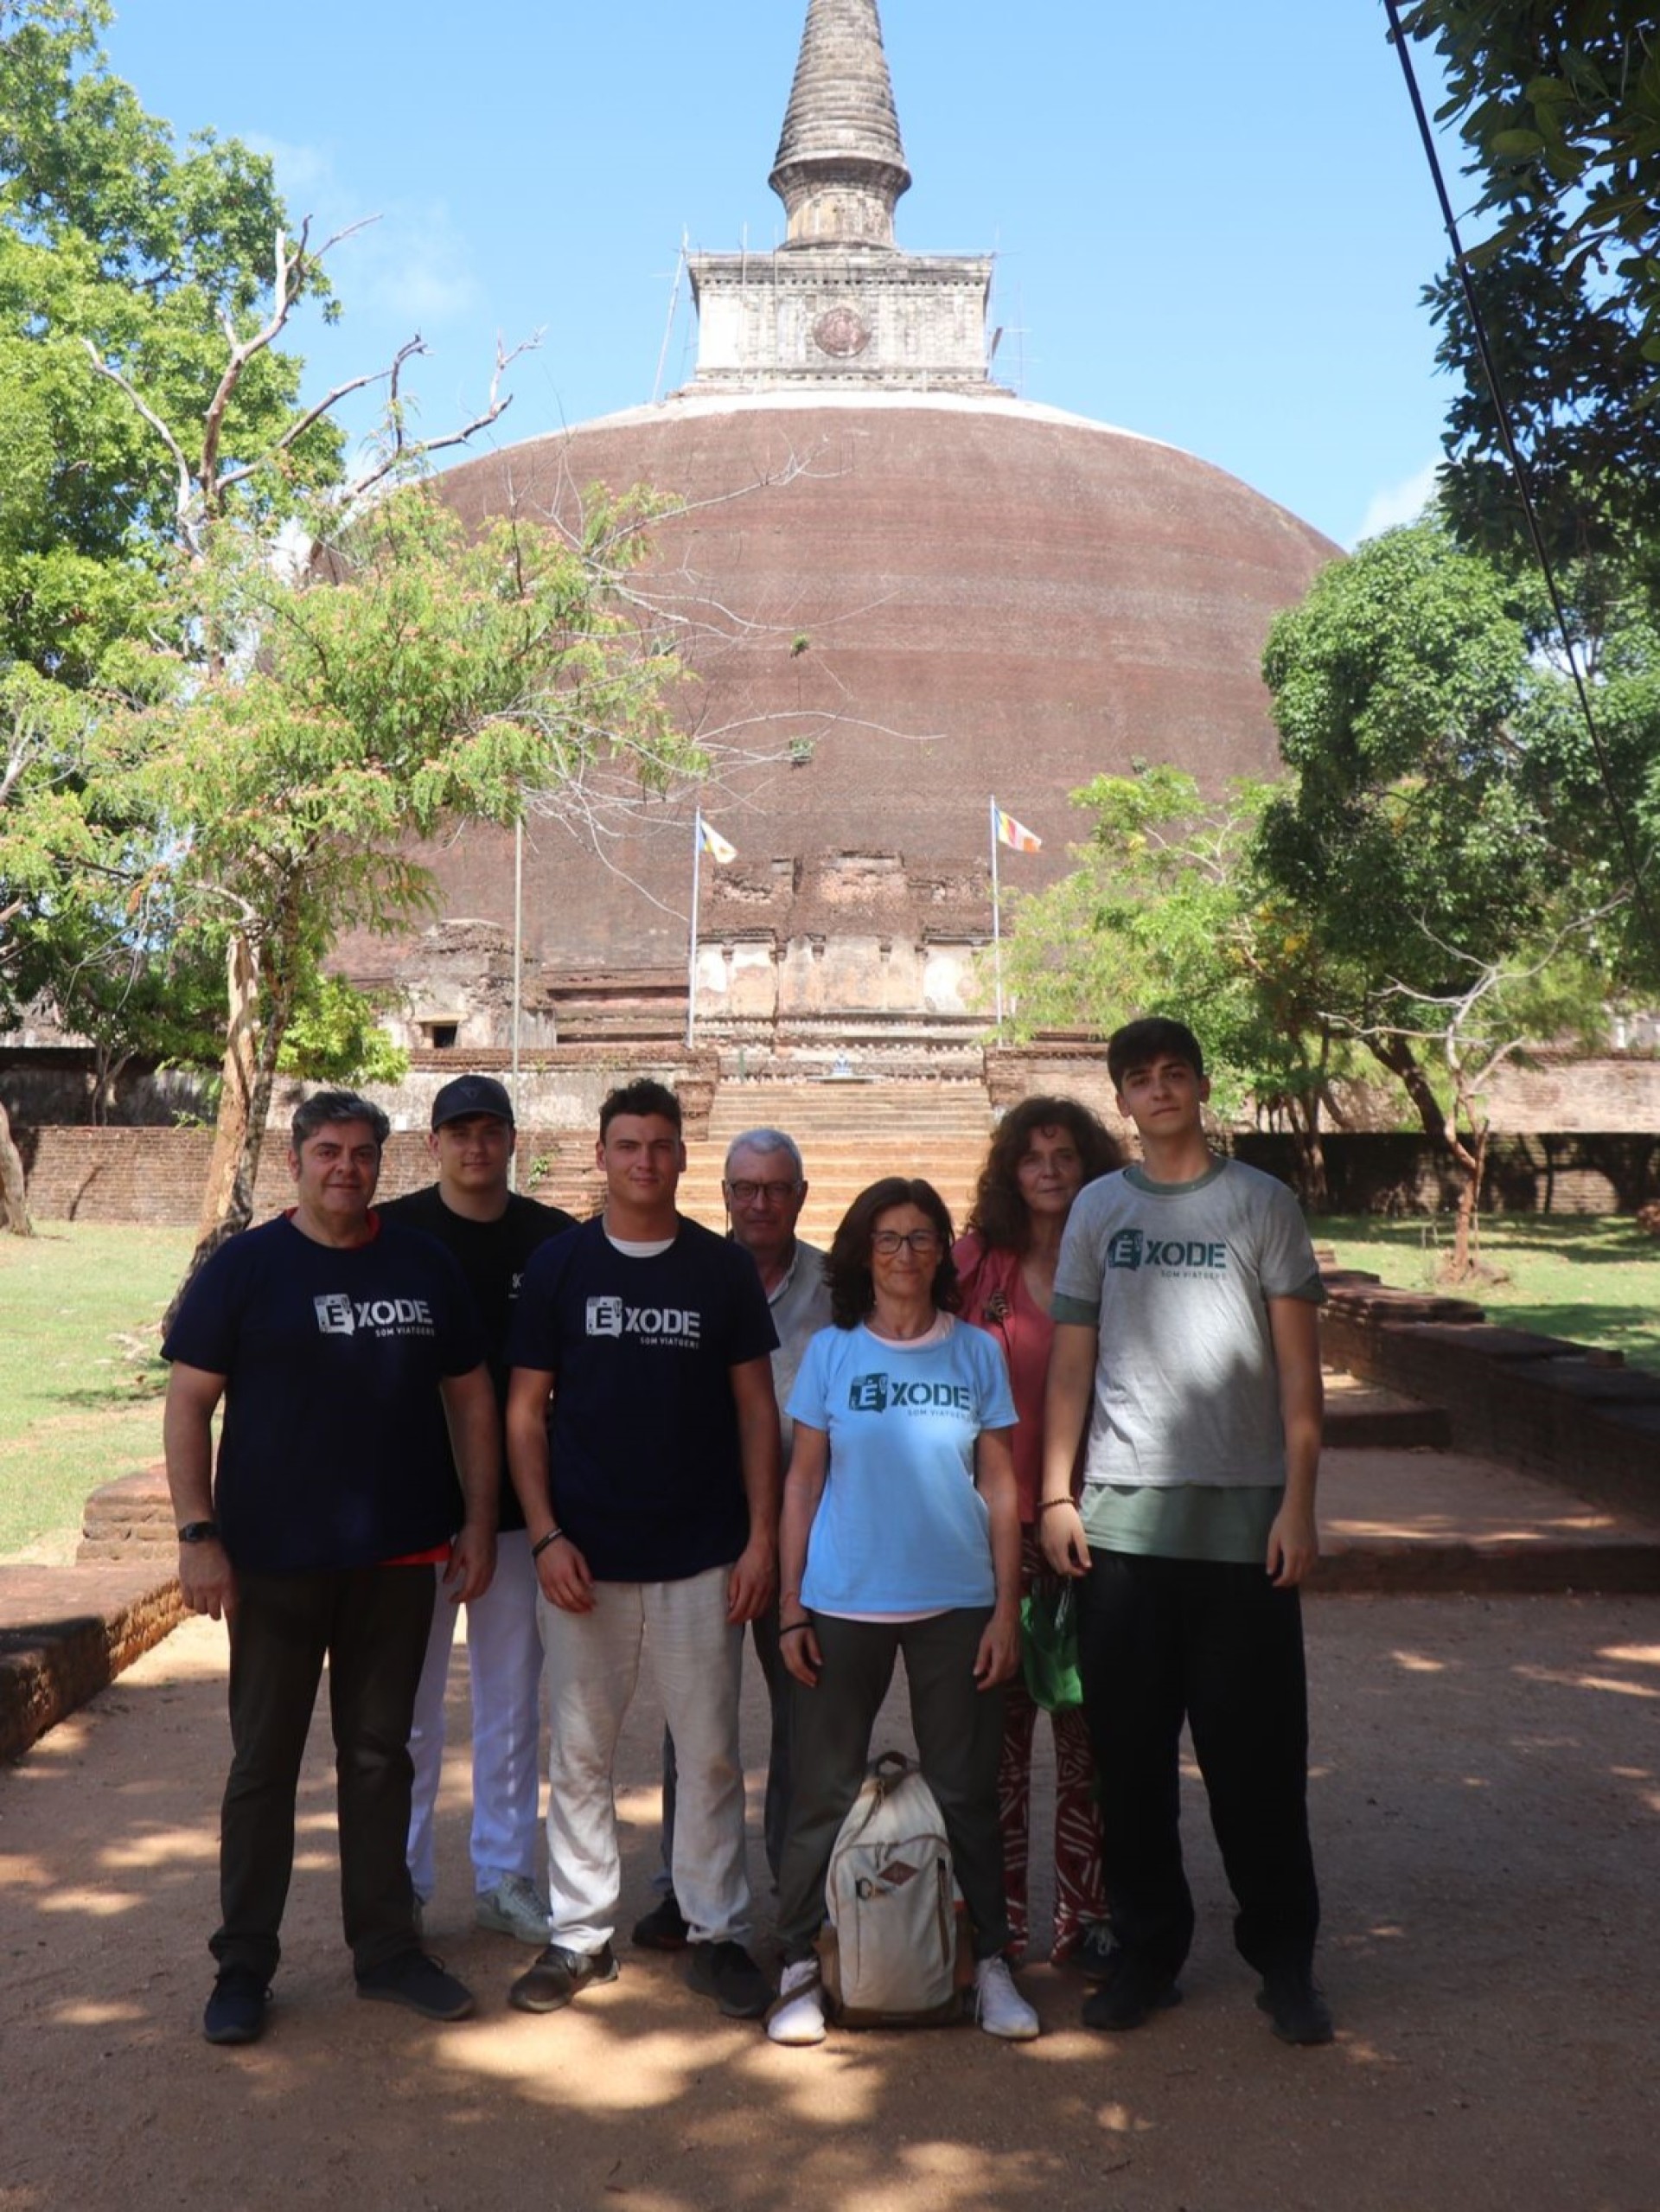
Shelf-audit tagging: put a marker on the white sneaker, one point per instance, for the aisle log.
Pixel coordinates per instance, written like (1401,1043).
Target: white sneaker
(998,2007)
(514,1907)
(798,2016)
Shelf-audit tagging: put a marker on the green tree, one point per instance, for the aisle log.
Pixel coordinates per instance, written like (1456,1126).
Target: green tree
(115,243)
(160,815)
(1164,912)
(1559,106)
(1463,906)
(338,711)
(122,258)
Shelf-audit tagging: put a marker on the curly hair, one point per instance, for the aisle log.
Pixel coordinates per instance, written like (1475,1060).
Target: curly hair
(847,1264)
(999,1213)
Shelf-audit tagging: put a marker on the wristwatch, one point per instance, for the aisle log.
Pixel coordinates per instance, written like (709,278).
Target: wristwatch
(199,1532)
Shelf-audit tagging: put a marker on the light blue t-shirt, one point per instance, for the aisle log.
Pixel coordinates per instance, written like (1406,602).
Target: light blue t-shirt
(901,1528)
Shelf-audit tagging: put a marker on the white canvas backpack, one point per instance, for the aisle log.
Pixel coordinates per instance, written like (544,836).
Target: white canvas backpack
(890,1948)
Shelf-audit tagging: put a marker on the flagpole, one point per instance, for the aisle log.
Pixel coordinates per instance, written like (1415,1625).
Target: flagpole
(996,918)
(692,954)
(518,976)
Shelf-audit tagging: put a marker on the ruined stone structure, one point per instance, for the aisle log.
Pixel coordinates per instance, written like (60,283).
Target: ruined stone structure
(903,593)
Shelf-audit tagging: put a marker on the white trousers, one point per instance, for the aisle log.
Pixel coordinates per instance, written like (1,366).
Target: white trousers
(504,1664)
(591,1668)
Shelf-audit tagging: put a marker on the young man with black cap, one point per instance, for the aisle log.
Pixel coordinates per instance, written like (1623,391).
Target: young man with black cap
(492,1232)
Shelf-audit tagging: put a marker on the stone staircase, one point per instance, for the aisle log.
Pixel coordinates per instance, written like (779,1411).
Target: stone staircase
(849,1134)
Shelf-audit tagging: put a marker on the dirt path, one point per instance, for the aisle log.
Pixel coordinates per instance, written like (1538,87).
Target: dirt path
(1487,1813)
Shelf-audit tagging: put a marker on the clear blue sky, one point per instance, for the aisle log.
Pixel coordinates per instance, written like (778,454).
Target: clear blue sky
(1212,218)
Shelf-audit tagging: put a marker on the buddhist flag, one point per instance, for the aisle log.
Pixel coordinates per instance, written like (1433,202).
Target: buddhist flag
(1010,832)
(714,844)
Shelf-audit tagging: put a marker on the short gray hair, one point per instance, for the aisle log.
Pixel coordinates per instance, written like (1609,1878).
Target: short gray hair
(324,1107)
(765,1140)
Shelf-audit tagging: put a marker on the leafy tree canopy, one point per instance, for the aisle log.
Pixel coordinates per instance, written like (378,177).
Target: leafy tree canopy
(1441,836)
(114,238)
(1559,104)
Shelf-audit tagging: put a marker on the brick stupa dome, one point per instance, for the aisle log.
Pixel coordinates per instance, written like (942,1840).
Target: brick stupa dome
(907,592)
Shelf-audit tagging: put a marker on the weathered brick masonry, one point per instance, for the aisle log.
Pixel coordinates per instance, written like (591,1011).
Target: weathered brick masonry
(1538,1404)
(73,1629)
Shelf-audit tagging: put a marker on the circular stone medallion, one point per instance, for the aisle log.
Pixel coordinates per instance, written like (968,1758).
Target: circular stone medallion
(841,331)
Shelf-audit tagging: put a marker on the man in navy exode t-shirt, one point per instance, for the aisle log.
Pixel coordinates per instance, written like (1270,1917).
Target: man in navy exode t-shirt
(650,1490)
(351,1364)
(765,1188)
(491,1231)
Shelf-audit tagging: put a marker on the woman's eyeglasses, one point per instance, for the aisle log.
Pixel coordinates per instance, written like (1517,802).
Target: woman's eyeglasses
(920,1241)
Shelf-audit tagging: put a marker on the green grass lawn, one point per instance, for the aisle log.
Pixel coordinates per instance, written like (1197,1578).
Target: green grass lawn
(1595,1280)
(81,1383)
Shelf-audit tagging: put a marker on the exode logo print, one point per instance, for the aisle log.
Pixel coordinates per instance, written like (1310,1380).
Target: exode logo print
(340,1315)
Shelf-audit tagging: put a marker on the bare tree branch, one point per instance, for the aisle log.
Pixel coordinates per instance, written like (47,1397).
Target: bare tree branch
(185,492)
(400,448)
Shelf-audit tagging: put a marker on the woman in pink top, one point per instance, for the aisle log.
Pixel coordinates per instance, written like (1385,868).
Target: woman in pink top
(1043,1153)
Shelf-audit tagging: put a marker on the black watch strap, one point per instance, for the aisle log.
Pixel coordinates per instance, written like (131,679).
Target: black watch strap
(199,1532)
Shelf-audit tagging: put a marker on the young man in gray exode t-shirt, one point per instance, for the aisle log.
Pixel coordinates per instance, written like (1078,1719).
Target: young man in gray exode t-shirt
(1186,1339)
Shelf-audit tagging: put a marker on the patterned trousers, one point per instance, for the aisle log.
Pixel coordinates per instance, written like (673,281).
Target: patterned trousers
(1080,1898)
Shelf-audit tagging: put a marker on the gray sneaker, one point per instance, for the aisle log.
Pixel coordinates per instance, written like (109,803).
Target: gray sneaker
(514,1907)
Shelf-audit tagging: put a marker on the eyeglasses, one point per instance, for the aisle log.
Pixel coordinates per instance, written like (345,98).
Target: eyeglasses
(775,1194)
(920,1241)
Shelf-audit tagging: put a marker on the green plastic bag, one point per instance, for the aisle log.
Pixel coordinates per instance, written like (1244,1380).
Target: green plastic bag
(1048,1647)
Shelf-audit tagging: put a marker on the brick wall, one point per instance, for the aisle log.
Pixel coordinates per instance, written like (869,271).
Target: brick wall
(155,1177)
(1538,1404)
(1397,1172)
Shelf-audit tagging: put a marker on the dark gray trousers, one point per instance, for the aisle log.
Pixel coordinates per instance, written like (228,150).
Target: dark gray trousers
(959,1729)
(373,1624)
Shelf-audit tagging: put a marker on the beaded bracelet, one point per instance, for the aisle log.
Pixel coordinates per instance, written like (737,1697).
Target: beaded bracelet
(1050,1502)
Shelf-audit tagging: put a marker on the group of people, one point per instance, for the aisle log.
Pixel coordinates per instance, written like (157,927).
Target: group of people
(1111,1382)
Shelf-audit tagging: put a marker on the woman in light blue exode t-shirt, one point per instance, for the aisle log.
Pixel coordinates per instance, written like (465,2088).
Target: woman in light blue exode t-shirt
(900,1533)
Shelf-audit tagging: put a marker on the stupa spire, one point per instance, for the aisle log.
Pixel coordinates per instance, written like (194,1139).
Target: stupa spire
(840,166)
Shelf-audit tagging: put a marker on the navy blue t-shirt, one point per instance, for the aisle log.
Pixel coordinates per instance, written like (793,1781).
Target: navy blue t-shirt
(335,1451)
(645,1466)
(492,1255)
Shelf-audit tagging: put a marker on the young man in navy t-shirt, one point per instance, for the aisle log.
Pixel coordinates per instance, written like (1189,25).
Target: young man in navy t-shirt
(649,1485)
(350,1364)
(491,1231)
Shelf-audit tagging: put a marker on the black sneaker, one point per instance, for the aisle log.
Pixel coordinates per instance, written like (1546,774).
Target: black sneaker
(557,1975)
(1131,1991)
(726,1973)
(663,1929)
(235,2012)
(414,1979)
(1297,2012)
(1098,1954)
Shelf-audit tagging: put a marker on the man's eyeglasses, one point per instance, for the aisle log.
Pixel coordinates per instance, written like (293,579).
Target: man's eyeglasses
(920,1241)
(747,1193)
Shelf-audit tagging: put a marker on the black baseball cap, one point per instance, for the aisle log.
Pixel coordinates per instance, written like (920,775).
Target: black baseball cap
(472,1094)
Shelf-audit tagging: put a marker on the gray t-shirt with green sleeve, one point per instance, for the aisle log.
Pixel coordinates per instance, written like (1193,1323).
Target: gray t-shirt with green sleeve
(1176,1277)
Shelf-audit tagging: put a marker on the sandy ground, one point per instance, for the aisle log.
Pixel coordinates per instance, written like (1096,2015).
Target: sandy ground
(1486,1802)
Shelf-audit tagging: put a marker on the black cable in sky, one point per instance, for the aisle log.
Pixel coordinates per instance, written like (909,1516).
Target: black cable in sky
(1524,489)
